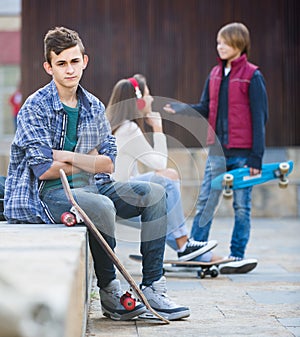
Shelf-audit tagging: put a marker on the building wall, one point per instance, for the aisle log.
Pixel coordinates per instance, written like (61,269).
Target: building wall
(173,43)
(10,56)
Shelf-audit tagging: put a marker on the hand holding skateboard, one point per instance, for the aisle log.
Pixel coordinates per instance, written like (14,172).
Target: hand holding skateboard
(241,177)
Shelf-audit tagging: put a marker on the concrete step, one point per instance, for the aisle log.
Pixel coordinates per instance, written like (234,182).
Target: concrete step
(45,277)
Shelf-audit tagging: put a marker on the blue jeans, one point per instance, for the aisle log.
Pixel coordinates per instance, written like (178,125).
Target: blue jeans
(2,186)
(208,200)
(176,227)
(102,203)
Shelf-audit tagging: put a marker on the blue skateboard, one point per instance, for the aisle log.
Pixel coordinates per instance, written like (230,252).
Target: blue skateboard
(240,178)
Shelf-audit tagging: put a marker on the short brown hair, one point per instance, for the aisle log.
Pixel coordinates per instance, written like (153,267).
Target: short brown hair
(59,39)
(236,35)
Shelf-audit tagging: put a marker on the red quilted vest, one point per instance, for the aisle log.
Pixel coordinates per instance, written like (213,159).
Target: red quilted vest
(239,114)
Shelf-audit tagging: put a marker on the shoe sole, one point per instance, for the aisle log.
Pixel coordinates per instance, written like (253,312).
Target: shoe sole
(231,269)
(129,315)
(210,245)
(169,316)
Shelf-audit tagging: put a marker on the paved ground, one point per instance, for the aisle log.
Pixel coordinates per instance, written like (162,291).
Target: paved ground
(263,303)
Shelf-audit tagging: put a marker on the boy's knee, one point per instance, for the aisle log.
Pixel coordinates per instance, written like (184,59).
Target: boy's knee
(169,173)
(102,212)
(157,193)
(106,204)
(96,204)
(172,174)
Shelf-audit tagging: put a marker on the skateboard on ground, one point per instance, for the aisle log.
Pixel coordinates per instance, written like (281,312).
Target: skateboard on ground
(202,269)
(240,178)
(126,299)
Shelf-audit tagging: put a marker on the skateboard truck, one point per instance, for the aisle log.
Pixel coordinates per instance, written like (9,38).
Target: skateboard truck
(213,272)
(227,184)
(283,170)
(71,218)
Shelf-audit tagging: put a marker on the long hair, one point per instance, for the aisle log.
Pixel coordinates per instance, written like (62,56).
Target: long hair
(122,103)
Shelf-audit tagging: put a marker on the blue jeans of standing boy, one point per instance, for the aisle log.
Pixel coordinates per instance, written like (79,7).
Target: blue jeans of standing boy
(102,203)
(208,200)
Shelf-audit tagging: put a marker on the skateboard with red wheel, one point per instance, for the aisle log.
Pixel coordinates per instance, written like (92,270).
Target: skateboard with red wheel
(241,178)
(80,215)
(202,269)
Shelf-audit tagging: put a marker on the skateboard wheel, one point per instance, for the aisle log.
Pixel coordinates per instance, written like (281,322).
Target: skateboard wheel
(201,274)
(283,183)
(284,168)
(228,178)
(68,219)
(127,301)
(214,272)
(227,194)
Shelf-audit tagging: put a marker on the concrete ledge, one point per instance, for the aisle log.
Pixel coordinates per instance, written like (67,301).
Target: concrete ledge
(45,277)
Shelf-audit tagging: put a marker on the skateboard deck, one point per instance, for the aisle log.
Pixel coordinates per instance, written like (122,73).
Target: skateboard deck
(202,269)
(240,178)
(106,247)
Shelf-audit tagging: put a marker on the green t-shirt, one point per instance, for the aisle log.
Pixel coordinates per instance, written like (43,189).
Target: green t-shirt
(79,179)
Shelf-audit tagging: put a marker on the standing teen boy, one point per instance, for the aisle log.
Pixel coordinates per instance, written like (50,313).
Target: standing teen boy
(234,101)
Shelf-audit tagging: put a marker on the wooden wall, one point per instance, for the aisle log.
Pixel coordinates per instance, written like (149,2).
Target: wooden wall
(173,43)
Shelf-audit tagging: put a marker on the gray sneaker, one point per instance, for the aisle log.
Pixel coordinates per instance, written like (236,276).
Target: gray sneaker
(156,295)
(110,297)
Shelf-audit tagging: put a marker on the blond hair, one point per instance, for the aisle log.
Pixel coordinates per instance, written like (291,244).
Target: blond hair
(237,36)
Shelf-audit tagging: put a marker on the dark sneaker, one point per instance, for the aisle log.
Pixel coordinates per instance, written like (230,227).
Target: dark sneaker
(196,248)
(238,266)
(157,297)
(111,306)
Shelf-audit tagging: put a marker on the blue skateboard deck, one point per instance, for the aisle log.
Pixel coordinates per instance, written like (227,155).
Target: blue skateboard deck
(240,178)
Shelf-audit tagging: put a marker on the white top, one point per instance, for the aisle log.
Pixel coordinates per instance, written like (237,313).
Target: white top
(133,147)
(227,71)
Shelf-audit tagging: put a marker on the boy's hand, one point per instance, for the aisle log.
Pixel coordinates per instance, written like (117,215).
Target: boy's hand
(254,171)
(168,109)
(94,152)
(60,155)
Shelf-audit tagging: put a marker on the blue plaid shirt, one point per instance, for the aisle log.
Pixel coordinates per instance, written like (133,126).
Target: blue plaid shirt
(42,125)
